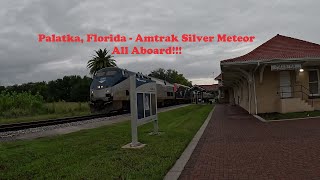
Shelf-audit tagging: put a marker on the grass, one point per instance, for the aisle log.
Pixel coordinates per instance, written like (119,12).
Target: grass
(97,153)
(65,107)
(52,111)
(278,116)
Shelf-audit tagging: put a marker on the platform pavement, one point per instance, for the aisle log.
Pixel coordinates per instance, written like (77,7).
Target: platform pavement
(235,145)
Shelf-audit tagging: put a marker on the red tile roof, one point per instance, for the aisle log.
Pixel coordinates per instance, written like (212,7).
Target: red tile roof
(213,87)
(280,47)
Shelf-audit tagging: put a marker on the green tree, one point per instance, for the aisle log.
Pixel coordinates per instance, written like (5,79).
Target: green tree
(2,88)
(70,88)
(101,60)
(170,75)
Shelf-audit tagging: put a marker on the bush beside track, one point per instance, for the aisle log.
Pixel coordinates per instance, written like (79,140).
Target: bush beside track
(24,107)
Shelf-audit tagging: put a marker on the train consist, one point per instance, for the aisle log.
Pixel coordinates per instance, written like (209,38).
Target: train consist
(109,91)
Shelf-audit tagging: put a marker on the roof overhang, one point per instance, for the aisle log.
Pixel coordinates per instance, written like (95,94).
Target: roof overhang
(235,73)
(232,74)
(269,61)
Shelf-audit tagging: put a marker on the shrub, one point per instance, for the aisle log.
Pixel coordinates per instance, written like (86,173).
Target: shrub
(62,107)
(20,104)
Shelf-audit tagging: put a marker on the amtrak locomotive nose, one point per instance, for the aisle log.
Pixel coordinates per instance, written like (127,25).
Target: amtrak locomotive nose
(105,82)
(109,90)
(101,93)
(101,85)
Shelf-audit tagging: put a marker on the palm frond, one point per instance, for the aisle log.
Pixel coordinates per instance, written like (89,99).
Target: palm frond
(101,59)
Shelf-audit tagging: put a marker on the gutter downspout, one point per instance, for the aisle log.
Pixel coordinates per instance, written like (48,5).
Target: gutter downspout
(254,88)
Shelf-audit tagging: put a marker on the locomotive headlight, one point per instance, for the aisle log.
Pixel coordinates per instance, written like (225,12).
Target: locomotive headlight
(91,91)
(108,91)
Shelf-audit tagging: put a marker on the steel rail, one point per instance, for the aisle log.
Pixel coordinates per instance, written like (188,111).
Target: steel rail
(42,123)
(34,124)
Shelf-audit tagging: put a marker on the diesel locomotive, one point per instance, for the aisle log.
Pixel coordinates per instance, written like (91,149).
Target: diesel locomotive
(109,91)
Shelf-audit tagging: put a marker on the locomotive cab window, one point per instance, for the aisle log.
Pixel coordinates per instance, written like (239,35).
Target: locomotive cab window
(125,74)
(99,74)
(111,73)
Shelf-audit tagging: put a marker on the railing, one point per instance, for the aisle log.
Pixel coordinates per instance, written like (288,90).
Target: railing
(301,90)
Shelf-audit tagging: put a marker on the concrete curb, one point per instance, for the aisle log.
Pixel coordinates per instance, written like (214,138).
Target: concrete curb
(294,119)
(279,120)
(260,118)
(178,167)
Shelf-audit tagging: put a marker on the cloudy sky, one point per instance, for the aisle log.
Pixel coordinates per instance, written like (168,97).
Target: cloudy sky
(24,59)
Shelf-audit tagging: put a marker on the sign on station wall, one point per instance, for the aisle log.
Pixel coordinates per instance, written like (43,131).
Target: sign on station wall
(280,67)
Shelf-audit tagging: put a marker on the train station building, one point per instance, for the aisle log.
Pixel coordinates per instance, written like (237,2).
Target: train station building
(281,75)
(223,91)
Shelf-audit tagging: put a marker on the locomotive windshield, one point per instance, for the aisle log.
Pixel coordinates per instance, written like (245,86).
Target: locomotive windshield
(106,73)
(106,78)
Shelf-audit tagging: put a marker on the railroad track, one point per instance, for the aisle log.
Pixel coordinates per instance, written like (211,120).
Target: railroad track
(34,124)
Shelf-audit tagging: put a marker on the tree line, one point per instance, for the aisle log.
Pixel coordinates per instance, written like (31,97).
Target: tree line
(76,88)
(171,76)
(69,88)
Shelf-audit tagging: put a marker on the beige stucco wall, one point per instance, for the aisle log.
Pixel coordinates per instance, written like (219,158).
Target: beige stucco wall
(294,105)
(268,98)
(270,101)
(243,93)
(315,103)
(231,96)
(243,97)
(301,78)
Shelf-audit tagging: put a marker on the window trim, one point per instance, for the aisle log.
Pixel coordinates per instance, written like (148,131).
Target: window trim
(317,70)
